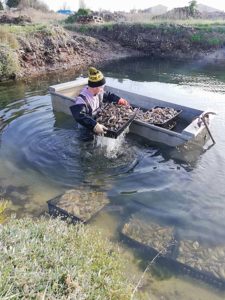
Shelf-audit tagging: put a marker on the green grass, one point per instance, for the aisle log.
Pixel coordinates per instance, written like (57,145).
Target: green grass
(201,38)
(3,207)
(169,25)
(48,259)
(215,41)
(9,63)
(197,38)
(77,27)
(27,29)
(8,38)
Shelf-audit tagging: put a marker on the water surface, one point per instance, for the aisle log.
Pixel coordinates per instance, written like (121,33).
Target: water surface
(41,157)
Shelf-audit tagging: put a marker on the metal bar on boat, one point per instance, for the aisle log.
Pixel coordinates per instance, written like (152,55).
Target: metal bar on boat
(207,127)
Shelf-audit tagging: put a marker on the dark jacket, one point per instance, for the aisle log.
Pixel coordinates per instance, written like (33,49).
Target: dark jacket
(83,113)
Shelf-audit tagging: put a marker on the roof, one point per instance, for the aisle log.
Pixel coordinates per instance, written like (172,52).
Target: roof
(65,11)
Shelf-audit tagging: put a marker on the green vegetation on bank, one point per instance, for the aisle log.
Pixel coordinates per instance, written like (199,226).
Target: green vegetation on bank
(49,259)
(81,12)
(9,63)
(8,38)
(28,29)
(204,25)
(206,35)
(3,207)
(9,43)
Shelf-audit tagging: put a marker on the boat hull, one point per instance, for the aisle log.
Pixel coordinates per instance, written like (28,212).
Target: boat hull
(63,96)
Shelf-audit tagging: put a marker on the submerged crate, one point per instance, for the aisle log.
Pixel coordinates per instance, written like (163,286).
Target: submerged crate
(209,269)
(77,205)
(198,261)
(158,238)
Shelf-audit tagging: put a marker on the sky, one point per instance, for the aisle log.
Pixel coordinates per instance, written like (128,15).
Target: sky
(127,5)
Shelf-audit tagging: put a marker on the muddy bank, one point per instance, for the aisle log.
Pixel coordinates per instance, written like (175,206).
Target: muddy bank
(62,50)
(55,49)
(167,40)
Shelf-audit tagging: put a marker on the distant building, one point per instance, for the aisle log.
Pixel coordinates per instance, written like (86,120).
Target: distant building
(65,11)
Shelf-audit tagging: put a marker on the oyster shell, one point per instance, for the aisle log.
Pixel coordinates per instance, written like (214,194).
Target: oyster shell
(82,204)
(158,115)
(114,116)
(202,258)
(148,232)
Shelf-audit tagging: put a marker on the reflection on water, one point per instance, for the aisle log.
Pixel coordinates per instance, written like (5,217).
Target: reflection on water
(41,157)
(190,73)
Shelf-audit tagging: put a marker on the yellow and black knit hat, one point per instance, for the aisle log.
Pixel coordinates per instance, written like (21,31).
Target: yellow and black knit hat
(95,78)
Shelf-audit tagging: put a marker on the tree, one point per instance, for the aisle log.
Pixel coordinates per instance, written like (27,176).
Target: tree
(1,6)
(192,6)
(81,12)
(12,3)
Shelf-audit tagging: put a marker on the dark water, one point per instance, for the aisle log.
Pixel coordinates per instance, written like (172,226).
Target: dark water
(41,157)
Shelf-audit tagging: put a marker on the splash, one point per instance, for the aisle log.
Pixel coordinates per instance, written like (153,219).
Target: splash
(111,147)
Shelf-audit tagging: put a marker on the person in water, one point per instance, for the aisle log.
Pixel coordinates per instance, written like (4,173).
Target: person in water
(89,101)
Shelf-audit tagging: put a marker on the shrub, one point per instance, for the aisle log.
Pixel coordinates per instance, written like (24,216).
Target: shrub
(48,259)
(80,12)
(8,38)
(215,41)
(9,64)
(197,38)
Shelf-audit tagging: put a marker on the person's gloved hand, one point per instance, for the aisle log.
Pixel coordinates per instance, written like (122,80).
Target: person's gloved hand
(123,102)
(99,129)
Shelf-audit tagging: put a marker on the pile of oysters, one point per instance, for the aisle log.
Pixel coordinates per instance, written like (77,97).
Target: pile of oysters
(149,233)
(114,116)
(157,115)
(205,259)
(82,204)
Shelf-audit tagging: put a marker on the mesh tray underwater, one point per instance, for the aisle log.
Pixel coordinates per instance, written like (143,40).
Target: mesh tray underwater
(169,257)
(77,205)
(115,133)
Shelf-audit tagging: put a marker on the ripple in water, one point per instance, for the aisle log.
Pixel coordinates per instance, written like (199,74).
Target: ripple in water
(49,144)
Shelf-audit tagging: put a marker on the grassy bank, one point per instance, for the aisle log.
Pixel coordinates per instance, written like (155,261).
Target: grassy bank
(48,259)
(212,25)
(42,46)
(9,60)
(15,41)
(206,35)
